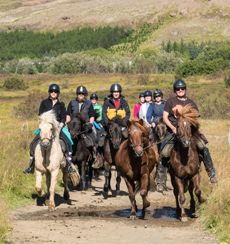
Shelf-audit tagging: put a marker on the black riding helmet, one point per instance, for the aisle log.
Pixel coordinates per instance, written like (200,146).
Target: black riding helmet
(54,87)
(179,84)
(141,95)
(148,93)
(94,95)
(157,93)
(115,88)
(81,89)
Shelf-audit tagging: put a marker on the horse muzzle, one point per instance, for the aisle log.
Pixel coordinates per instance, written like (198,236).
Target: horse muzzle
(186,143)
(45,145)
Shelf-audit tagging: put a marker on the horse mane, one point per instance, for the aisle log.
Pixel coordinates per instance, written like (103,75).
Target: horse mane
(50,117)
(79,116)
(191,114)
(145,130)
(118,120)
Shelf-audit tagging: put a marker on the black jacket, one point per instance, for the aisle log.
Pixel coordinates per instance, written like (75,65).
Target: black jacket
(109,103)
(59,109)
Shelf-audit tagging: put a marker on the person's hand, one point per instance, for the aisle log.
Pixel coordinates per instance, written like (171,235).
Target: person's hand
(59,129)
(174,130)
(153,125)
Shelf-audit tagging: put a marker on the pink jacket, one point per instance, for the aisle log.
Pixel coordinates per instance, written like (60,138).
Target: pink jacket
(136,110)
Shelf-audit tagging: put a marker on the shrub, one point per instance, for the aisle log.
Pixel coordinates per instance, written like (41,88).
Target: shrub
(15,83)
(143,79)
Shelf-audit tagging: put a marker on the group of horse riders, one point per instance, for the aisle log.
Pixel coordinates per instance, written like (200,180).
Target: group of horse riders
(115,104)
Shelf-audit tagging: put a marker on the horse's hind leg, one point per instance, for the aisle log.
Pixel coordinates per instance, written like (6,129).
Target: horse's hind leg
(38,185)
(53,184)
(118,179)
(192,201)
(83,176)
(176,194)
(107,174)
(196,181)
(65,180)
(131,189)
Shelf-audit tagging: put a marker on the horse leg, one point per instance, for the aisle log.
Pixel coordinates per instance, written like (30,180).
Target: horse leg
(118,179)
(196,181)
(48,182)
(65,180)
(107,174)
(38,186)
(83,176)
(182,199)
(192,201)
(144,190)
(131,189)
(54,178)
(90,174)
(176,194)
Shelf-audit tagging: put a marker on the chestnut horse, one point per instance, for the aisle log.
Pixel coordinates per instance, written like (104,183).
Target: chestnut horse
(184,160)
(135,163)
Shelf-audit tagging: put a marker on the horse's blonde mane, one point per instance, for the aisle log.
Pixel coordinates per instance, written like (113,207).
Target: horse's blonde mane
(50,117)
(191,114)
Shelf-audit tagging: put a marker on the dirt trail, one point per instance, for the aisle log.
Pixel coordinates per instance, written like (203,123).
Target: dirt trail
(90,218)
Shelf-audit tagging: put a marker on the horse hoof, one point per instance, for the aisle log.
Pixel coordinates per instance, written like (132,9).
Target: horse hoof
(184,219)
(83,192)
(133,217)
(147,204)
(51,209)
(47,202)
(66,196)
(117,192)
(106,190)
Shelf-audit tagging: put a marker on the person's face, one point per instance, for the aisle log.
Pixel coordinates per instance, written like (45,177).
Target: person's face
(181,91)
(148,98)
(53,94)
(116,95)
(80,96)
(158,99)
(142,99)
(94,100)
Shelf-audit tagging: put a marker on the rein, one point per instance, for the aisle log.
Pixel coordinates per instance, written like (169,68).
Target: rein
(156,143)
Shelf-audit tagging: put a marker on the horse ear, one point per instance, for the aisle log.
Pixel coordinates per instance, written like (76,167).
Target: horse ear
(39,119)
(141,122)
(158,121)
(128,123)
(177,113)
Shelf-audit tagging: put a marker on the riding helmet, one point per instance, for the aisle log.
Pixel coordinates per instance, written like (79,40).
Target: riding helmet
(94,95)
(115,88)
(141,95)
(54,87)
(179,84)
(157,93)
(81,89)
(148,93)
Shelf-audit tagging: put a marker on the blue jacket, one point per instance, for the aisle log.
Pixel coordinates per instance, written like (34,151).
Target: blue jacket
(152,114)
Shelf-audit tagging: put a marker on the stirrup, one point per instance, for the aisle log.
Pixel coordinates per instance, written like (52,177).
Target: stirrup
(213,176)
(71,170)
(29,170)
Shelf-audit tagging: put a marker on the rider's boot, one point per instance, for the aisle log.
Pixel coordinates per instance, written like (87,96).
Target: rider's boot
(208,163)
(31,167)
(71,170)
(161,174)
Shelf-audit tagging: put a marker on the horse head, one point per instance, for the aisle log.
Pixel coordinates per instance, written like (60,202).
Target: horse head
(115,131)
(76,125)
(48,128)
(187,123)
(160,129)
(138,135)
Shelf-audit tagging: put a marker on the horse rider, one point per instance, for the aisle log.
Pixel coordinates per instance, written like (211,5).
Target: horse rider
(145,106)
(96,106)
(83,105)
(138,106)
(115,104)
(173,104)
(156,109)
(53,103)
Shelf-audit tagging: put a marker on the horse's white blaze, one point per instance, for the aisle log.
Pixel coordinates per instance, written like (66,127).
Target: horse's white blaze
(184,123)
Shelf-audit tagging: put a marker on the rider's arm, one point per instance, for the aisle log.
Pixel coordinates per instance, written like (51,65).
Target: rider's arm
(167,122)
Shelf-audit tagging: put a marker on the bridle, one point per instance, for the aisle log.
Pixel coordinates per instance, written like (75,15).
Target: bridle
(137,145)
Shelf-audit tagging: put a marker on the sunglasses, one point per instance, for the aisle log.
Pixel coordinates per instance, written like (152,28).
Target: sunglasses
(53,91)
(81,93)
(181,88)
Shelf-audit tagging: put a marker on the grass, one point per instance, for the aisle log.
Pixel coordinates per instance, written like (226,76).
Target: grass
(17,190)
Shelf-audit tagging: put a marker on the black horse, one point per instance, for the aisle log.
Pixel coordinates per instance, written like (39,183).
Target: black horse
(82,155)
(111,146)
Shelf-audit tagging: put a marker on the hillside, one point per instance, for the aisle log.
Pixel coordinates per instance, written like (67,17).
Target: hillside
(190,19)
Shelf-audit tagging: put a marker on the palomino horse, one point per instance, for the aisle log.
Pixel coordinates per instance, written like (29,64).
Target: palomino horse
(184,160)
(49,159)
(135,160)
(111,147)
(82,155)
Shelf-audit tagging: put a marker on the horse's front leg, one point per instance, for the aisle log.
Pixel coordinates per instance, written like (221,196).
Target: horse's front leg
(131,189)
(176,194)
(38,185)
(107,174)
(65,180)
(48,182)
(196,181)
(182,199)
(144,190)
(192,201)
(83,176)
(118,179)
(54,178)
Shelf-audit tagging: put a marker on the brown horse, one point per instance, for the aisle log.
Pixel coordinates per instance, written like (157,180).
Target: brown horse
(184,160)
(135,163)
(159,132)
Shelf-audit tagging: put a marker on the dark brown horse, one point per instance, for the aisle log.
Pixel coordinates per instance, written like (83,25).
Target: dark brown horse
(135,162)
(184,160)
(82,155)
(111,146)
(159,132)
